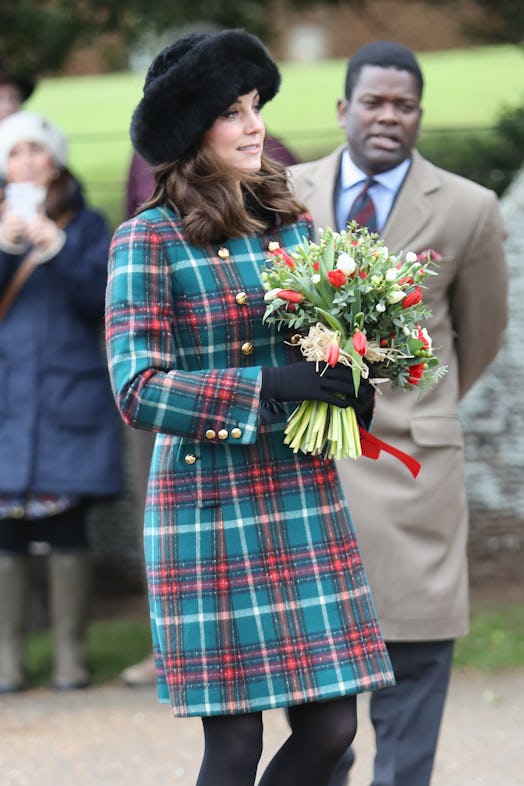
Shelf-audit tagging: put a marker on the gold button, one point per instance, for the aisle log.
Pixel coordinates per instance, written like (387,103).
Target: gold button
(247,348)
(223,253)
(210,433)
(223,433)
(190,458)
(241,298)
(295,338)
(236,433)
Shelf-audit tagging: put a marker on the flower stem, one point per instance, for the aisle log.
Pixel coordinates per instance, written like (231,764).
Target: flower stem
(319,428)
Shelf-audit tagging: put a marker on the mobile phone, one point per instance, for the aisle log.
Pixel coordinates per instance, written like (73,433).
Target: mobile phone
(24,199)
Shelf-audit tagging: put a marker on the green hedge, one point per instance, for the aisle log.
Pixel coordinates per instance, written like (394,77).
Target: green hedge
(491,157)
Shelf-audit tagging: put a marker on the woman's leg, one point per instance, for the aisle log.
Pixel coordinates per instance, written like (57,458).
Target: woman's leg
(233,746)
(69,594)
(321,732)
(14,602)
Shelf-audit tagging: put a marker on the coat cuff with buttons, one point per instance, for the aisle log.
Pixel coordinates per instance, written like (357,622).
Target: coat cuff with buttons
(216,406)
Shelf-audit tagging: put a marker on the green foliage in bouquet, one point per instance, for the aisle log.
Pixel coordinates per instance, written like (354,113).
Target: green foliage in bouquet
(352,302)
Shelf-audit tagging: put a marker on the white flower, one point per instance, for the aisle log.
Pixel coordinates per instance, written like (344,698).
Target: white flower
(346,264)
(375,280)
(380,307)
(395,296)
(385,252)
(427,337)
(411,257)
(391,274)
(406,330)
(315,279)
(271,295)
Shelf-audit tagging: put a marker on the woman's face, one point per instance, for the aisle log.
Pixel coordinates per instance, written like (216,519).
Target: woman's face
(30,162)
(237,135)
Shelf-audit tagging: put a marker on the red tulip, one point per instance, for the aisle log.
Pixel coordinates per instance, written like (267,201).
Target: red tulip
(290,295)
(332,353)
(412,298)
(359,342)
(337,278)
(281,254)
(415,373)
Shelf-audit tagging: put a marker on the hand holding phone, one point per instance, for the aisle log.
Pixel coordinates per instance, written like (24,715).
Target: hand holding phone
(24,199)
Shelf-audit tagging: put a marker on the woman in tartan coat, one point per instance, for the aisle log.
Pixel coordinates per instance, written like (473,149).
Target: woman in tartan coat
(257,593)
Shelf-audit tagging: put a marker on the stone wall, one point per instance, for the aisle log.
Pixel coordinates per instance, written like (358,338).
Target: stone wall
(492,415)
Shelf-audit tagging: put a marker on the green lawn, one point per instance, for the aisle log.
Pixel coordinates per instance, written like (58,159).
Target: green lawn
(464,89)
(495,641)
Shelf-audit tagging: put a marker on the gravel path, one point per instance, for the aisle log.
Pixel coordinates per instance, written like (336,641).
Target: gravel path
(122,737)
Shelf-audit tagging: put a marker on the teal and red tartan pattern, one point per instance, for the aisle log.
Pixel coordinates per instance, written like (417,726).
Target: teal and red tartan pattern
(257,593)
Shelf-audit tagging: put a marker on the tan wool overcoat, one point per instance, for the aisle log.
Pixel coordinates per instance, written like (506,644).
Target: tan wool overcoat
(413,532)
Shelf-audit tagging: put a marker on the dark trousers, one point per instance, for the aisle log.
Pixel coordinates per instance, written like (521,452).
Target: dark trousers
(407,717)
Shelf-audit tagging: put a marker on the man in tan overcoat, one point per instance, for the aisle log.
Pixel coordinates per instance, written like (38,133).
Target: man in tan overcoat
(413,533)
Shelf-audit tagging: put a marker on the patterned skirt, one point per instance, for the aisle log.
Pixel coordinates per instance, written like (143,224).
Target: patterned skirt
(261,601)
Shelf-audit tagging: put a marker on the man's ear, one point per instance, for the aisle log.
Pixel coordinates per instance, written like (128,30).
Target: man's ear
(342,107)
(419,127)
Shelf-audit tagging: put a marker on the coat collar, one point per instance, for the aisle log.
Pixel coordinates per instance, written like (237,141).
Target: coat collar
(411,210)
(318,187)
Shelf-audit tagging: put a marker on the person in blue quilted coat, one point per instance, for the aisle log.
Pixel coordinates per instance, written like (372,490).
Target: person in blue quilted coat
(59,428)
(257,592)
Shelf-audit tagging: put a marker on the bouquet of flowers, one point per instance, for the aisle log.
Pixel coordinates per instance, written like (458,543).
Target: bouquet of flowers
(351,302)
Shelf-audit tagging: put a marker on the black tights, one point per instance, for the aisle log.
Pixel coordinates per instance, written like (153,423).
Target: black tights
(321,733)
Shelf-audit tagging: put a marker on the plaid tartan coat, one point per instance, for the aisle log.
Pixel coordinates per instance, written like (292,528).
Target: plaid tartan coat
(258,597)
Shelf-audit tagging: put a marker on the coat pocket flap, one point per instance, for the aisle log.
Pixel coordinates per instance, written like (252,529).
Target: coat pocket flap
(437,431)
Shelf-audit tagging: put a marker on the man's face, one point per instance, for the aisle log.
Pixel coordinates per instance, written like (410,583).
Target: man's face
(382,118)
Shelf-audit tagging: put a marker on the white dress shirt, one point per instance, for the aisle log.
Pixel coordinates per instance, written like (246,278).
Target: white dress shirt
(383,192)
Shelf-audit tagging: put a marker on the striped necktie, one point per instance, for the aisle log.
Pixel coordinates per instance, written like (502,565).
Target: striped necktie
(363,208)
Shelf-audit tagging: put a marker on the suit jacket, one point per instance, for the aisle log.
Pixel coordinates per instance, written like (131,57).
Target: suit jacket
(413,532)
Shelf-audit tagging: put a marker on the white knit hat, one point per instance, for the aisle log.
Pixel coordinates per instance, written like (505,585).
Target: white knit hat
(31,127)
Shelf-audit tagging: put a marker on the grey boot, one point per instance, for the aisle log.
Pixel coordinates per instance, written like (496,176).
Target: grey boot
(14,600)
(69,580)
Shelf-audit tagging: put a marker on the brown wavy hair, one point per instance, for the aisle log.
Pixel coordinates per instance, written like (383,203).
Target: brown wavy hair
(203,191)
(64,195)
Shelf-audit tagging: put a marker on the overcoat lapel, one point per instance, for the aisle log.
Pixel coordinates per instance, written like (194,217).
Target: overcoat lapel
(317,192)
(411,210)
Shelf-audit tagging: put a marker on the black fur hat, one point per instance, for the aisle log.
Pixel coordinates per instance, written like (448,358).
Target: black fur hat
(190,83)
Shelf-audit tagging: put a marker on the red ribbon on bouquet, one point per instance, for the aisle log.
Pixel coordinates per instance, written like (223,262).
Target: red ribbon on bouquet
(372,447)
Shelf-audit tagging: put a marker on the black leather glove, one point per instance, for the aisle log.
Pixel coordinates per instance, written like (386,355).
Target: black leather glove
(302,382)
